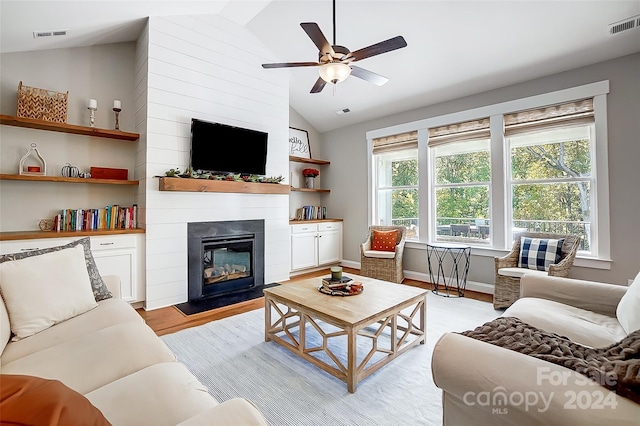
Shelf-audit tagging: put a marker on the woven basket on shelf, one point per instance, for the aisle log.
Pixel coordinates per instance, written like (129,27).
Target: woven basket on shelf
(41,104)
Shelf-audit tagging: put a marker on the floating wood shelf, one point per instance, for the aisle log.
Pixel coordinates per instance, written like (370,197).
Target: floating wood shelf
(310,189)
(33,235)
(67,128)
(208,185)
(308,160)
(67,179)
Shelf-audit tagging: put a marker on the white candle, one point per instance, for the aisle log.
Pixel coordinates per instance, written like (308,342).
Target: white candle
(117,104)
(93,104)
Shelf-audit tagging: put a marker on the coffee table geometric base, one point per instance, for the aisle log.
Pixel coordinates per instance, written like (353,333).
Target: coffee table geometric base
(320,339)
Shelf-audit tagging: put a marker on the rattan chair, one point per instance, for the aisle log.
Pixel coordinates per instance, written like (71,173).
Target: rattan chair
(387,269)
(507,288)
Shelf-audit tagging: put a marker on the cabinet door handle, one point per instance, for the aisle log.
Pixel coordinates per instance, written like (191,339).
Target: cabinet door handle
(106,244)
(30,249)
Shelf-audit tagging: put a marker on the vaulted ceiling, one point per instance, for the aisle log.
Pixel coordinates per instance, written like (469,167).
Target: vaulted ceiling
(455,48)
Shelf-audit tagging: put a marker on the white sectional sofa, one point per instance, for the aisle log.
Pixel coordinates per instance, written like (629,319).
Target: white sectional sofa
(111,357)
(486,384)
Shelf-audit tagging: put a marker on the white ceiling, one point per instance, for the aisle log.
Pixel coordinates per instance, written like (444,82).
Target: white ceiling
(455,48)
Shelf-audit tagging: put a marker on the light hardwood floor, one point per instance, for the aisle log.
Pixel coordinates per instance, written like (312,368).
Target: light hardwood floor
(171,319)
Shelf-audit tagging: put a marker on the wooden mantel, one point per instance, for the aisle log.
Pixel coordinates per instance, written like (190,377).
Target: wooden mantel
(208,185)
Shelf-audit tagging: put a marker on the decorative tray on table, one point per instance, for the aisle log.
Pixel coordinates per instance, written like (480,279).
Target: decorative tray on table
(343,287)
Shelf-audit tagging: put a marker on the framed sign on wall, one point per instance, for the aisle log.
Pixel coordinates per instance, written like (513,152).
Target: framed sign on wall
(299,143)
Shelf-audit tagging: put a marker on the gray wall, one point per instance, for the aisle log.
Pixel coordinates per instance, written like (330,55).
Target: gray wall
(347,150)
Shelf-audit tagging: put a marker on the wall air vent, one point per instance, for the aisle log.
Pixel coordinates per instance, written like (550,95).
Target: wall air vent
(343,111)
(40,34)
(624,25)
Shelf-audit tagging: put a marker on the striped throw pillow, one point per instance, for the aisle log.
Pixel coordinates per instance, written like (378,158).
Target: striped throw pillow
(539,253)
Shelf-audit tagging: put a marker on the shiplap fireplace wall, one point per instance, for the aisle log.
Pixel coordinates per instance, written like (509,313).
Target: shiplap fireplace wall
(209,68)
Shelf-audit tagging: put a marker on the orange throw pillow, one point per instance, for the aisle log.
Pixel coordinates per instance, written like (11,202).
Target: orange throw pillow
(29,400)
(384,240)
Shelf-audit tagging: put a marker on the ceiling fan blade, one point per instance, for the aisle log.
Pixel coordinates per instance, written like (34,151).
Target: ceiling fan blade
(315,34)
(317,88)
(378,48)
(290,64)
(369,76)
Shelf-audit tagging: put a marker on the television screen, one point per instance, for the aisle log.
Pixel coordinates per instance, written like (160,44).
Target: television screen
(220,148)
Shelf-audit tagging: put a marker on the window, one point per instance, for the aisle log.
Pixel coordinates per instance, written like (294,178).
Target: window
(537,164)
(461,181)
(396,190)
(551,181)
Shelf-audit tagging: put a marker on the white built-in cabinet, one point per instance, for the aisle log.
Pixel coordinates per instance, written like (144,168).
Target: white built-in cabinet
(114,255)
(315,244)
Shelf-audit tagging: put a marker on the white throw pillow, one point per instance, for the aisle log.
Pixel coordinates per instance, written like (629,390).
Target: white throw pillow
(628,310)
(41,291)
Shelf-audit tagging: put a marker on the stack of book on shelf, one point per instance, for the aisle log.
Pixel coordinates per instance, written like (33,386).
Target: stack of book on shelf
(311,213)
(110,217)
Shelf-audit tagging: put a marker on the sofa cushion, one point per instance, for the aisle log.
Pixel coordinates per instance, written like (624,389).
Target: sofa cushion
(384,240)
(581,326)
(28,400)
(100,290)
(93,360)
(628,310)
(539,253)
(162,394)
(44,290)
(109,312)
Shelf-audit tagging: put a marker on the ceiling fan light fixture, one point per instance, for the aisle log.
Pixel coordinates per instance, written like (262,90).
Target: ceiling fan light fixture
(334,72)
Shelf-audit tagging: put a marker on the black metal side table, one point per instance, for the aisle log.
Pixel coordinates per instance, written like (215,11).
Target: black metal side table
(452,257)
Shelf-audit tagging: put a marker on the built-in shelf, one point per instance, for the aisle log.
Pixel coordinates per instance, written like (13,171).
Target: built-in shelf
(37,178)
(67,128)
(308,160)
(310,189)
(208,185)
(32,235)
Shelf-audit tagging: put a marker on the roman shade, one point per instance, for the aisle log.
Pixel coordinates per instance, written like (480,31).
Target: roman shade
(458,132)
(549,117)
(396,142)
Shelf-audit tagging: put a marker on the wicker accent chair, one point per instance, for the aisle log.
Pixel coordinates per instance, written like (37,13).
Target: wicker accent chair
(507,288)
(387,269)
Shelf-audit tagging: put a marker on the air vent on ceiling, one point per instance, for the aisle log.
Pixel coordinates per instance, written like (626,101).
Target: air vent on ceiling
(343,111)
(624,25)
(40,34)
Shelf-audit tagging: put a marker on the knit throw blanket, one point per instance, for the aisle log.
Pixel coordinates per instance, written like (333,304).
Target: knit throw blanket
(617,367)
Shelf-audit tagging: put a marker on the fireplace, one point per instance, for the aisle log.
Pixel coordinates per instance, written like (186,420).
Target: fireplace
(225,261)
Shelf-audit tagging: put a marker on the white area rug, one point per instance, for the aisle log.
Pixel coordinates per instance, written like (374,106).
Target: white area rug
(232,359)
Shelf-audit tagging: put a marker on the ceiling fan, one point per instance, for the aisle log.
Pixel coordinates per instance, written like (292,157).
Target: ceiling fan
(335,61)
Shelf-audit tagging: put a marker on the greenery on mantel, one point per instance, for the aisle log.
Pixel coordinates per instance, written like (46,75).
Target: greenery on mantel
(232,177)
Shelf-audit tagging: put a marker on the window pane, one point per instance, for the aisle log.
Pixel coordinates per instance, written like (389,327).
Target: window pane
(462,214)
(399,207)
(551,154)
(560,208)
(398,168)
(463,162)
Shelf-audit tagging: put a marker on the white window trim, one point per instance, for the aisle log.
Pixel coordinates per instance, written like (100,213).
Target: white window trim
(597,90)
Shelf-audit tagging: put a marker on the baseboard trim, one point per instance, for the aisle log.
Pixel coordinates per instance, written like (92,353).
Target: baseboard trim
(424,277)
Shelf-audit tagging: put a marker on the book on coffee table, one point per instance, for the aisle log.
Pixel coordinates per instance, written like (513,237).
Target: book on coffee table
(330,283)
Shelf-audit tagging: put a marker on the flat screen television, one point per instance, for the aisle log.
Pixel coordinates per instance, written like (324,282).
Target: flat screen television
(220,148)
